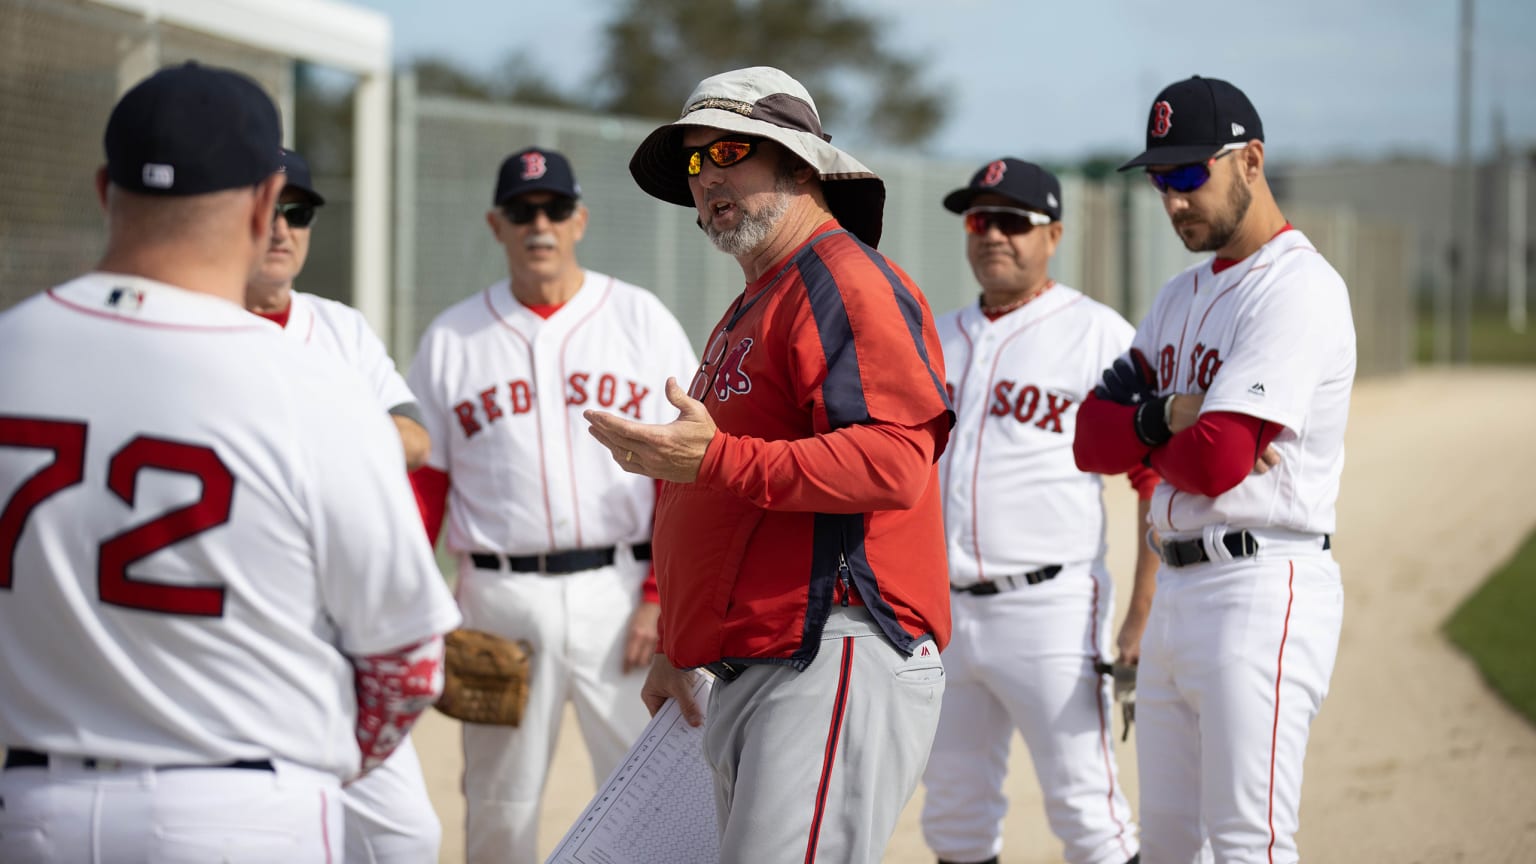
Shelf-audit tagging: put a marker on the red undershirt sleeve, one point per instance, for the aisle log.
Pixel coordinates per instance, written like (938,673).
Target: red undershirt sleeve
(1106,441)
(1215,454)
(649,593)
(856,469)
(1143,480)
(431,488)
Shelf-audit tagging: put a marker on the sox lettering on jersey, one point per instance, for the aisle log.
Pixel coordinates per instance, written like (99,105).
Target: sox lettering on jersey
(1023,403)
(488,406)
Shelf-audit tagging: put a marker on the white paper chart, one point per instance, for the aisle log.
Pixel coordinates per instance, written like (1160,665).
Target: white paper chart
(658,806)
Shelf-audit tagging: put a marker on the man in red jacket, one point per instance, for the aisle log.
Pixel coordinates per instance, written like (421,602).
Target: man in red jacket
(799,539)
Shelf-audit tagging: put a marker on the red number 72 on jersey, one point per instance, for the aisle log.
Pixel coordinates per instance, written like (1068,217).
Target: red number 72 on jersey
(66,440)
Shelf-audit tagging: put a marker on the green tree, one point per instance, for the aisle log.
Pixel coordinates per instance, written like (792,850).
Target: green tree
(657,50)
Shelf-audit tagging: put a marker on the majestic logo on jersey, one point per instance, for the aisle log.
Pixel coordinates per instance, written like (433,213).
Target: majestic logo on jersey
(1023,403)
(995,173)
(1204,363)
(1257,389)
(516,397)
(534,166)
(1162,119)
(730,378)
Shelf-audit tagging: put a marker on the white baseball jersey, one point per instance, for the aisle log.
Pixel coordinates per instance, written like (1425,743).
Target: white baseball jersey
(502,391)
(1016,383)
(200,519)
(343,332)
(1271,337)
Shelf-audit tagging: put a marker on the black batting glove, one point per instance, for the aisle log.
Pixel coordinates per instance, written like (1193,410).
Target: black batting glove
(1129,381)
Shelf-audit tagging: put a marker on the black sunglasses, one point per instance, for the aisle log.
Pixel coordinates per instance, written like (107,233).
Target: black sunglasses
(724,152)
(556,209)
(298,214)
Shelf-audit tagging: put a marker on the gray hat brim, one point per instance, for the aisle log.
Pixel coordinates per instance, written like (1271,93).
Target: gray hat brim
(855,194)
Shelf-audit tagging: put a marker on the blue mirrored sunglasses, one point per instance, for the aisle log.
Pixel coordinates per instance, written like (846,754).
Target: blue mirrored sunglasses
(1187,178)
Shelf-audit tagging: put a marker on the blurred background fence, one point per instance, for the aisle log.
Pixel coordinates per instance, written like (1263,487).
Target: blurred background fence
(64,62)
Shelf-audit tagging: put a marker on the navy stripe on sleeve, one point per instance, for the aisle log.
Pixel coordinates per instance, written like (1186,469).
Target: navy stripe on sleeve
(843,389)
(912,311)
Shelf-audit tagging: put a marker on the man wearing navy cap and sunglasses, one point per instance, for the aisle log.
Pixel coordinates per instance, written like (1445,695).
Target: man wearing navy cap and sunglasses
(1236,390)
(1032,599)
(551,539)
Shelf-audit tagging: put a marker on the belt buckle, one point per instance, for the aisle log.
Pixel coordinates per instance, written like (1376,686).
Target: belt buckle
(724,671)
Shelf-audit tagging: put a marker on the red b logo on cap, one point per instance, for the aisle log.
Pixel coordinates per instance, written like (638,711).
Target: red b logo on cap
(1162,119)
(994,173)
(533,166)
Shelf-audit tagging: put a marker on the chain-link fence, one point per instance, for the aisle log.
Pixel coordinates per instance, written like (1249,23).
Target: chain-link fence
(62,66)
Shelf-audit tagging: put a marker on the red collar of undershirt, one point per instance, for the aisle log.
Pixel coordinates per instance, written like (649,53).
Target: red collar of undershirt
(543,310)
(1221,264)
(278,318)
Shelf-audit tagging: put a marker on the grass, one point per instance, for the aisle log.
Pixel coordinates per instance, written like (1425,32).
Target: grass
(1492,342)
(1497,628)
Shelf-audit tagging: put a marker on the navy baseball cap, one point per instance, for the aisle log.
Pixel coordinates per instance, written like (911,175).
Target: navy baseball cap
(535,170)
(191,130)
(297,170)
(1028,184)
(1191,120)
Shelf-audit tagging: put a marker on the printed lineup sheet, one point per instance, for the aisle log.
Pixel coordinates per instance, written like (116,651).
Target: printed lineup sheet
(658,806)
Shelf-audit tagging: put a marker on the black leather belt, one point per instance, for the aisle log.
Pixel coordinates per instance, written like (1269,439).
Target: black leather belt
(1241,544)
(724,671)
(1008,583)
(34,759)
(572,561)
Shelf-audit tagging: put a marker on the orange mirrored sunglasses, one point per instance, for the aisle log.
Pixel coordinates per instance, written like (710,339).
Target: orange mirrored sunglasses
(724,152)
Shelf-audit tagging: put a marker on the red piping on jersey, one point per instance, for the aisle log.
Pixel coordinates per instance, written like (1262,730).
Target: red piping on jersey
(161,325)
(1104,746)
(570,444)
(325,827)
(1290,588)
(834,732)
(981,427)
(538,417)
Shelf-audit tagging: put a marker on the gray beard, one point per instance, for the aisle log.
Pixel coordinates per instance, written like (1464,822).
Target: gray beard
(754,229)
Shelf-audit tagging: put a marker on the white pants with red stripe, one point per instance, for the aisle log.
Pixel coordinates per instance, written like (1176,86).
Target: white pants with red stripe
(124,813)
(1234,666)
(817,765)
(390,819)
(1023,659)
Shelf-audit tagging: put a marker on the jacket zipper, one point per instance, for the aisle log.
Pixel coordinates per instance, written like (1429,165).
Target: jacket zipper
(842,576)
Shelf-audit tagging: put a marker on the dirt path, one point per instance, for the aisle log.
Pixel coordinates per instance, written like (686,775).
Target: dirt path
(1413,759)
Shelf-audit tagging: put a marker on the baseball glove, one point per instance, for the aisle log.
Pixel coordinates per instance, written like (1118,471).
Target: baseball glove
(485,678)
(1124,676)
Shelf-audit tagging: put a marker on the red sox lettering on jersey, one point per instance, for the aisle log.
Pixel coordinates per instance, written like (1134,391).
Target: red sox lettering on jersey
(606,390)
(502,391)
